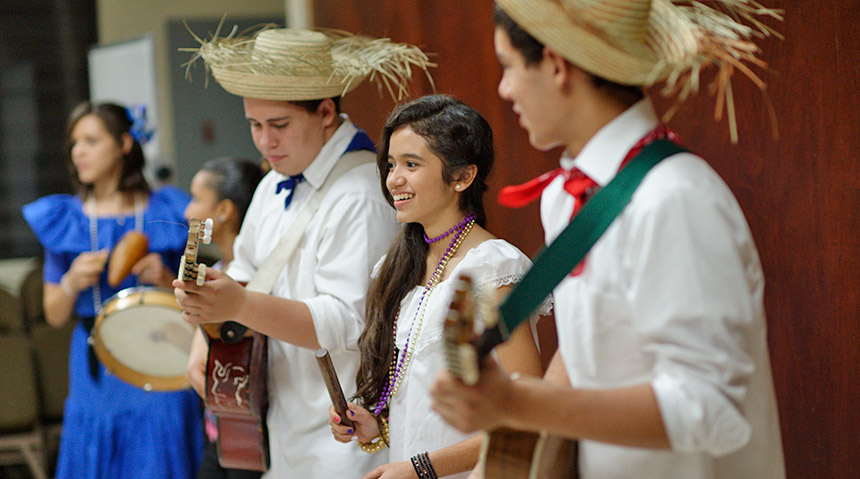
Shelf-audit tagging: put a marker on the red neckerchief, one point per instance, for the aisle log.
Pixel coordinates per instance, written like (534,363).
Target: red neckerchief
(576,183)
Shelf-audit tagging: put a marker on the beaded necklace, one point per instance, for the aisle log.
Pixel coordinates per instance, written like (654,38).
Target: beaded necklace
(457,227)
(397,369)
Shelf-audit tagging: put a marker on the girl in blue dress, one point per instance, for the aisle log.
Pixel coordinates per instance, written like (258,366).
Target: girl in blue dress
(112,429)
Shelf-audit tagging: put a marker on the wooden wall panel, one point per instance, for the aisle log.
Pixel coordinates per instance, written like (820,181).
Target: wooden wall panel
(800,192)
(801,195)
(462,46)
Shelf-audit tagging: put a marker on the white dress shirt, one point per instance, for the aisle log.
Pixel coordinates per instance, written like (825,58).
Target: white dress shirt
(329,271)
(671,295)
(414,427)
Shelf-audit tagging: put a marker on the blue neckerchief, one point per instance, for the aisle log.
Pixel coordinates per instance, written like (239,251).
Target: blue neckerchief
(360,141)
(290,185)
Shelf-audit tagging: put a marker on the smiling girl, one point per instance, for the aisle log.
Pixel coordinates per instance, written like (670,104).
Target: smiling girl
(434,158)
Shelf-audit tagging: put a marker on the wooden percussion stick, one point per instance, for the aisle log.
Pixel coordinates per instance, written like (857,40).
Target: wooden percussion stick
(333,386)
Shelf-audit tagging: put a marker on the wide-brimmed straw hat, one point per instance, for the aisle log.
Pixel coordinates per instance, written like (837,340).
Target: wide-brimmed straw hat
(643,42)
(295,64)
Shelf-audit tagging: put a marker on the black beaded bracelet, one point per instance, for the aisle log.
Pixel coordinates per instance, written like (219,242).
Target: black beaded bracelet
(426,460)
(417,466)
(423,467)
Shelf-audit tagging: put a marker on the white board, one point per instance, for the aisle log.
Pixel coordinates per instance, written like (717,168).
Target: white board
(124,73)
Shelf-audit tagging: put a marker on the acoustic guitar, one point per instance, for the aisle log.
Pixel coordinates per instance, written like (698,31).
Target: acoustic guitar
(236,374)
(506,453)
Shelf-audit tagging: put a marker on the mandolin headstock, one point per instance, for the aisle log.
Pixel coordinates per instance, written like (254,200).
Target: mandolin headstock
(189,269)
(459,332)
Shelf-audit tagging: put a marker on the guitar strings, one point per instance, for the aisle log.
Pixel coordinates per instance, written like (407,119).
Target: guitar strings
(182,225)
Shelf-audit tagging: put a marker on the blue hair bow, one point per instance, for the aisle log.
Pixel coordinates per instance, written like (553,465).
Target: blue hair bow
(139,129)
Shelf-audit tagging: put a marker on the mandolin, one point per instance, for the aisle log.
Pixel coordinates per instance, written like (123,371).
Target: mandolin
(236,374)
(506,453)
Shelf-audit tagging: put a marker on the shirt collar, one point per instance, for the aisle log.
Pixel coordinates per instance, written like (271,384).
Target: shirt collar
(602,155)
(316,173)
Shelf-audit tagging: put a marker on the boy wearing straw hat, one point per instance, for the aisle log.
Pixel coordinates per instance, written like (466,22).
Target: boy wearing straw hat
(291,81)
(662,369)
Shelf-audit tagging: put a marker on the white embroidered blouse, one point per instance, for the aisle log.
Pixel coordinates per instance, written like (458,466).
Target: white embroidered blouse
(414,427)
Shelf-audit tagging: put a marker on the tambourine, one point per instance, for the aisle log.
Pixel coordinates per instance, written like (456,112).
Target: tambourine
(141,338)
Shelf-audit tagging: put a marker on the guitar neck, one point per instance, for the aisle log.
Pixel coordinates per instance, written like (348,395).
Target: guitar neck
(465,350)
(485,343)
(506,454)
(191,270)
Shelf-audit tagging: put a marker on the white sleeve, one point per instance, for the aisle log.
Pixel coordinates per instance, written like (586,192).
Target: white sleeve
(357,232)
(692,304)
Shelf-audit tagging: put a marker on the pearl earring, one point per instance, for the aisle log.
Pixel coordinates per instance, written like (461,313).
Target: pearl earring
(458,186)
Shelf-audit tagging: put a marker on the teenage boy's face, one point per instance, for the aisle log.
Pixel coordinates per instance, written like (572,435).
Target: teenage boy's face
(530,89)
(287,135)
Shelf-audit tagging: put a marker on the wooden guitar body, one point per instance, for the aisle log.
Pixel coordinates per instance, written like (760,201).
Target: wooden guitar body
(236,392)
(506,453)
(512,454)
(236,375)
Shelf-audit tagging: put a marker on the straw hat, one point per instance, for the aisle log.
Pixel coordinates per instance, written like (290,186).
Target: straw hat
(642,42)
(295,64)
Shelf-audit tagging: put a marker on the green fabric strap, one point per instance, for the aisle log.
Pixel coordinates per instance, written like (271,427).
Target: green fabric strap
(553,263)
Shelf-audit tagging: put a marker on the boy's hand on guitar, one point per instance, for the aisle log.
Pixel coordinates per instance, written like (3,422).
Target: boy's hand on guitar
(195,370)
(219,299)
(473,408)
(366,427)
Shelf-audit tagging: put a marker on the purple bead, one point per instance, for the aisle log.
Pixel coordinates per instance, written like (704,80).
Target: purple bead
(400,361)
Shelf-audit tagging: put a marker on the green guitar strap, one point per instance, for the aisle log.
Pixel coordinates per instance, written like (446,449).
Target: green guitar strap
(553,263)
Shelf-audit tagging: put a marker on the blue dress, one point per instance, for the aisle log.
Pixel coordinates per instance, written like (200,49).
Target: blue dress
(112,429)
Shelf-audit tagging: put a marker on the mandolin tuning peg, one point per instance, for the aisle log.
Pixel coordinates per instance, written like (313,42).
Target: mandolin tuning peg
(201,274)
(207,231)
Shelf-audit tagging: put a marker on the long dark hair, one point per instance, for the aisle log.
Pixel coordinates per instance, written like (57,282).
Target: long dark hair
(117,122)
(234,179)
(460,137)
